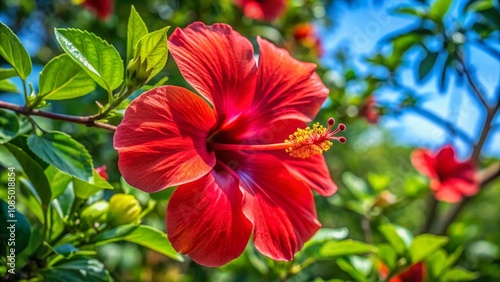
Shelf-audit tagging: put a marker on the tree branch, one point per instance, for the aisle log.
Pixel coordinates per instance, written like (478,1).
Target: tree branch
(85,120)
(472,83)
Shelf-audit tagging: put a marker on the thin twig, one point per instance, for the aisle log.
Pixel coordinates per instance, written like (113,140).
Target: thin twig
(472,83)
(85,120)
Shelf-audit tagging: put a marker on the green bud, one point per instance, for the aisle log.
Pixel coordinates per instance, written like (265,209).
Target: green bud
(123,209)
(138,74)
(95,213)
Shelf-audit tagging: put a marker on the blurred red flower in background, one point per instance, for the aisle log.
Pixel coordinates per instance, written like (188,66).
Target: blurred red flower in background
(306,35)
(102,172)
(416,273)
(262,9)
(102,8)
(369,110)
(450,179)
(229,160)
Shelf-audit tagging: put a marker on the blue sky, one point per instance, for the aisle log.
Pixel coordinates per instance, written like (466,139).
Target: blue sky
(362,26)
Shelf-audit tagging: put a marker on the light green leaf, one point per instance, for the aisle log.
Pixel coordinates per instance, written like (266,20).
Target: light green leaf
(63,152)
(17,158)
(77,269)
(397,236)
(7,73)
(356,185)
(143,235)
(58,180)
(12,50)
(344,248)
(459,274)
(346,266)
(62,78)
(153,48)
(424,245)
(99,59)
(9,217)
(436,264)
(427,64)
(9,126)
(479,5)
(85,189)
(136,29)
(440,8)
(387,254)
(8,86)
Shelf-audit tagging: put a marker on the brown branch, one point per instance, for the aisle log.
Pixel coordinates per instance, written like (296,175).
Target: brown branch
(85,120)
(472,83)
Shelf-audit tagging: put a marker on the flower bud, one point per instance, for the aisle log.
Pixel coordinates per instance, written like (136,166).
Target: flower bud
(138,71)
(95,213)
(123,209)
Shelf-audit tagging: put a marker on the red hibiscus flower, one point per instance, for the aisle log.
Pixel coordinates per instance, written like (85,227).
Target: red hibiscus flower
(102,172)
(416,273)
(450,178)
(369,110)
(227,156)
(102,8)
(305,34)
(262,9)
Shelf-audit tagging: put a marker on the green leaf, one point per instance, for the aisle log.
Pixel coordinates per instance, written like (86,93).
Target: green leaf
(479,5)
(58,180)
(412,11)
(62,78)
(153,48)
(85,189)
(7,73)
(436,264)
(492,15)
(323,235)
(31,169)
(387,254)
(440,8)
(13,222)
(356,185)
(427,64)
(63,152)
(397,236)
(8,86)
(346,266)
(424,245)
(114,234)
(99,59)
(9,126)
(12,50)
(145,236)
(344,248)
(77,269)
(460,274)
(136,29)
(65,249)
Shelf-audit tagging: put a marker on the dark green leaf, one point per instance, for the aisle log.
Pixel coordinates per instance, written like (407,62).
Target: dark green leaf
(9,126)
(427,64)
(99,59)
(77,269)
(136,29)
(479,5)
(62,78)
(21,161)
(424,245)
(492,15)
(15,225)
(65,249)
(114,234)
(63,152)
(344,248)
(12,50)
(7,73)
(85,189)
(412,11)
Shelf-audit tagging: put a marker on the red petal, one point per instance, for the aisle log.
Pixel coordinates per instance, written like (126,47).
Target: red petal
(262,9)
(161,141)
(281,208)
(218,62)
(205,218)
(446,191)
(446,163)
(424,162)
(286,88)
